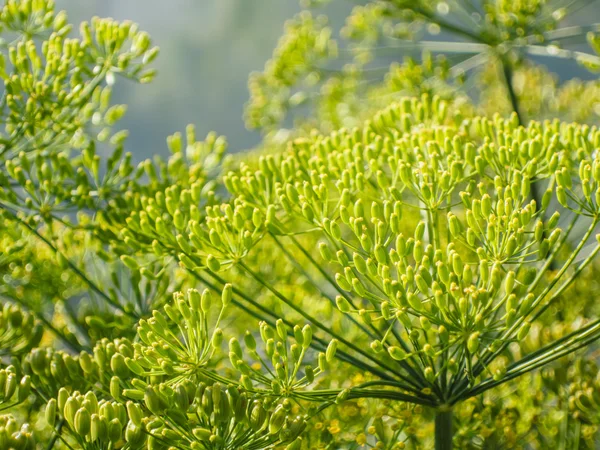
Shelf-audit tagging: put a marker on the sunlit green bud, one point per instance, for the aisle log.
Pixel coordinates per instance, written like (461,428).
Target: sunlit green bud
(414,301)
(418,251)
(152,401)
(308,212)
(62,397)
(90,402)
(326,253)
(511,302)
(83,421)
(342,396)
(358,287)
(425,323)
(523,331)
(359,263)
(205,301)
(343,282)
(98,428)
(181,397)
(133,434)
(429,374)
(331,350)
(457,264)
(50,412)
(366,242)
(401,245)
(443,334)
(527,303)
(443,272)
(553,221)
(202,434)
(376,346)
(292,193)
(554,236)
(307,335)
(115,388)
(343,304)
(118,365)
(135,413)
(486,205)
(544,248)
(380,254)
(130,262)
(258,416)
(342,258)
(509,282)
(463,305)
(456,170)
(178,220)
(24,388)
(213,264)
(454,225)
(236,348)
(420,231)
(359,209)
(422,283)
(269,347)
(441,299)
(277,420)
(322,360)
(561,196)
(473,342)
(71,407)
(281,329)
(257,218)
(538,231)
(397,353)
(344,214)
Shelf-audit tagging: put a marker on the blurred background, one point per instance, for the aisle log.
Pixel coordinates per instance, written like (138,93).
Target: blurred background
(208,49)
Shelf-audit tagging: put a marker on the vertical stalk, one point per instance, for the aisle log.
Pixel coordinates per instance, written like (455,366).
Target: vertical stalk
(443,429)
(507,71)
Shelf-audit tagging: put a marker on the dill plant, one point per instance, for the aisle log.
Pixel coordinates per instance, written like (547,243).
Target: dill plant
(410,260)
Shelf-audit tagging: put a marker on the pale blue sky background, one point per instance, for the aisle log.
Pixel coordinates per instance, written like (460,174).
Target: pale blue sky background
(208,48)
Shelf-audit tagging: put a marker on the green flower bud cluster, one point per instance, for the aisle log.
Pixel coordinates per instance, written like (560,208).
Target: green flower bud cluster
(178,341)
(285,373)
(51,369)
(224,417)
(443,298)
(33,16)
(163,216)
(95,424)
(41,83)
(12,389)
(19,331)
(307,42)
(14,437)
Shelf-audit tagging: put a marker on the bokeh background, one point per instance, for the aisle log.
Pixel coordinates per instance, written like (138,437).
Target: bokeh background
(208,49)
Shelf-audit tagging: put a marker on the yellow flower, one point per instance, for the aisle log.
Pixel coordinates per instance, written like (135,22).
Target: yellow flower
(361,439)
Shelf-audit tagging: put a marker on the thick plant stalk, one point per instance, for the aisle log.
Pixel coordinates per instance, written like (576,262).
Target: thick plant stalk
(443,429)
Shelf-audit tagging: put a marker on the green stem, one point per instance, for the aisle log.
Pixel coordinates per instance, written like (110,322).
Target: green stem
(72,266)
(317,323)
(443,429)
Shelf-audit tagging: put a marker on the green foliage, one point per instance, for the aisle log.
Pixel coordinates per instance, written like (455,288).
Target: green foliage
(389,49)
(405,263)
